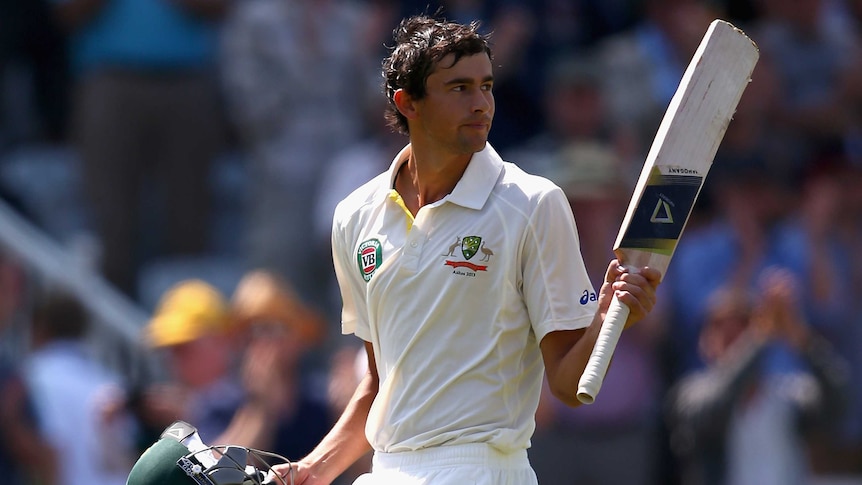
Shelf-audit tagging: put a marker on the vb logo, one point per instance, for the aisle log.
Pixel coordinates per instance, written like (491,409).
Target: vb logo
(369,256)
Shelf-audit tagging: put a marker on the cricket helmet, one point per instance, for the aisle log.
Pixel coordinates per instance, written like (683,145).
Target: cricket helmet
(179,457)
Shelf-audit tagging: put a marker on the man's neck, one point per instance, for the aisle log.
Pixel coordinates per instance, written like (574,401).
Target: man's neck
(426,177)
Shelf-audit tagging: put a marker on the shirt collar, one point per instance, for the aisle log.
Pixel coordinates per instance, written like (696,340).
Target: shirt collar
(475,186)
(399,160)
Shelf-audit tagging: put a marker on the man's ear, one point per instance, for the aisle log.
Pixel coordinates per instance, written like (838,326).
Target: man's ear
(404,103)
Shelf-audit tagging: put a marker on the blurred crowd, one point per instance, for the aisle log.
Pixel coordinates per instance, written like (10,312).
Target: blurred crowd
(206,143)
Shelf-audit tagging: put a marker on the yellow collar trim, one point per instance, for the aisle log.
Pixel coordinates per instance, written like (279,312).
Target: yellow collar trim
(395,196)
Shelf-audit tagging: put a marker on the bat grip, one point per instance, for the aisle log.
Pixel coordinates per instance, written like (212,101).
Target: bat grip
(600,358)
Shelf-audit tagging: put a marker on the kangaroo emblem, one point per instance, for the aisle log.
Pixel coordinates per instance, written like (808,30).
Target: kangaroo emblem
(453,247)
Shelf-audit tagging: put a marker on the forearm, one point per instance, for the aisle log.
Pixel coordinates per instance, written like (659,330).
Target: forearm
(571,350)
(346,442)
(251,427)
(700,404)
(567,352)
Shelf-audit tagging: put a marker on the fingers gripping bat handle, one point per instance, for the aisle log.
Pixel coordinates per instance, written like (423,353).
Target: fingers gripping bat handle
(600,358)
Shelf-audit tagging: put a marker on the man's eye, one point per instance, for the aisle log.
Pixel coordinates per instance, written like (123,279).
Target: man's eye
(487,87)
(457,88)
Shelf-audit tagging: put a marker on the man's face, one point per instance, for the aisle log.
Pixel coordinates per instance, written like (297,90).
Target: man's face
(200,362)
(457,110)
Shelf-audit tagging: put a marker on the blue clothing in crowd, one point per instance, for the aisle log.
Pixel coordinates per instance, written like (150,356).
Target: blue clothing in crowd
(143,34)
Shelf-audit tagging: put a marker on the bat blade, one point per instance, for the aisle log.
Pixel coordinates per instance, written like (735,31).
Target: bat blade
(674,171)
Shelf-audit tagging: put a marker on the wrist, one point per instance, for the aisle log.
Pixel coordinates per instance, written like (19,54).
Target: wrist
(317,470)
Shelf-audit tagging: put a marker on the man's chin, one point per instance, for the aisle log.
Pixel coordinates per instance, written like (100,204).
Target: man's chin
(475,145)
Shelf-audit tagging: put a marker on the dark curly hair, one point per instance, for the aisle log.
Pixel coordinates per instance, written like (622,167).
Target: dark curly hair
(420,43)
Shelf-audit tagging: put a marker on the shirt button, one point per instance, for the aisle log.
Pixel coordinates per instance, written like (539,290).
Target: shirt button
(413,244)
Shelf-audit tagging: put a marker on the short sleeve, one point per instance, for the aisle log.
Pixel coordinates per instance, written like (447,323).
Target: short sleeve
(557,289)
(354,312)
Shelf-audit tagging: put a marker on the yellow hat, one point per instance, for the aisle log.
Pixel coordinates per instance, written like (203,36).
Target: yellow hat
(189,310)
(263,296)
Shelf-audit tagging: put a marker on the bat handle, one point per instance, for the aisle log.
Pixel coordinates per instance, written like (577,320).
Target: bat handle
(600,358)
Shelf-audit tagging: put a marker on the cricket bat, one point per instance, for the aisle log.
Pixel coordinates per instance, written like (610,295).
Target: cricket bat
(674,171)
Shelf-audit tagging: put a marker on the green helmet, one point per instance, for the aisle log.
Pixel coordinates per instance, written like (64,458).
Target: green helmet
(179,457)
(158,465)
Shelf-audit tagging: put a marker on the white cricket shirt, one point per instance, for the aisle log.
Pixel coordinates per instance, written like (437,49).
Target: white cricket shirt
(456,301)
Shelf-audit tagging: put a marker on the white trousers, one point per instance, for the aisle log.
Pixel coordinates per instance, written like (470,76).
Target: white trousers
(470,464)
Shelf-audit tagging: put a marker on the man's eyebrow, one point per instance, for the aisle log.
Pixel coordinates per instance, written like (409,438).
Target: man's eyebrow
(468,80)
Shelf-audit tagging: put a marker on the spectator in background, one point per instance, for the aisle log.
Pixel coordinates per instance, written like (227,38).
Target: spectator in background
(575,120)
(193,327)
(72,396)
(25,456)
(297,74)
(817,54)
(812,244)
(235,369)
(281,331)
(147,124)
(739,422)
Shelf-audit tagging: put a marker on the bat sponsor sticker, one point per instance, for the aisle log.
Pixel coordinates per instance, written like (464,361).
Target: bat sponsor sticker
(662,211)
